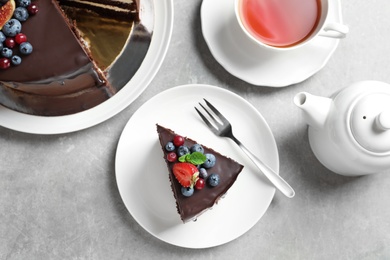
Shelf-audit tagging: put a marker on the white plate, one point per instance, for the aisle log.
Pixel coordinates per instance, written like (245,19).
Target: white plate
(142,176)
(63,124)
(243,59)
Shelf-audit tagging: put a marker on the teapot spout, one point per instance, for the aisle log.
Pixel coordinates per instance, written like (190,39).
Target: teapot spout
(315,109)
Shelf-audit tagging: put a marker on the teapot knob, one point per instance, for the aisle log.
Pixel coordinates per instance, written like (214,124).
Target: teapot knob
(370,122)
(383,120)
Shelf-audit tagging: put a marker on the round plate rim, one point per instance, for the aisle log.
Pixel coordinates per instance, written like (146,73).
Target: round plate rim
(122,147)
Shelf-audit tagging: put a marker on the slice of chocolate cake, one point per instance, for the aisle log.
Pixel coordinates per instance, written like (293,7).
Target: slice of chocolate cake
(199,175)
(123,9)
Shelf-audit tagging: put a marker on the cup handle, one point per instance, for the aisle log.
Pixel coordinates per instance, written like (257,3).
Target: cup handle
(335,30)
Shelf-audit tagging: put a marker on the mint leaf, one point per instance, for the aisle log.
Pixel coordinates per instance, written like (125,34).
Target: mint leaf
(197,158)
(183,158)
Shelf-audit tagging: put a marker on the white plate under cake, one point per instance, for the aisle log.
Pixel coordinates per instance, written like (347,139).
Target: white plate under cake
(141,173)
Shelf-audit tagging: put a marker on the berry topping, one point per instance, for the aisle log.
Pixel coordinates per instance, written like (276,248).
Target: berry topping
(21,14)
(203,173)
(197,148)
(25,48)
(213,180)
(170,147)
(23,3)
(6,52)
(171,157)
(20,37)
(4,63)
(2,37)
(10,42)
(200,183)
(187,191)
(16,60)
(178,140)
(12,27)
(32,9)
(190,165)
(210,161)
(185,173)
(183,150)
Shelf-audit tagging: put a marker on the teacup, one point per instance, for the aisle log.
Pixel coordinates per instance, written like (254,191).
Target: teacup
(286,24)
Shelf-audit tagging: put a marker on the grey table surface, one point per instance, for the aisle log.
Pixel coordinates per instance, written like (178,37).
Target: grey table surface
(59,198)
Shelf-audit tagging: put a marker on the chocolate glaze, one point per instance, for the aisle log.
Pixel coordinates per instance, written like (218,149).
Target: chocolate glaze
(190,208)
(59,77)
(52,40)
(58,68)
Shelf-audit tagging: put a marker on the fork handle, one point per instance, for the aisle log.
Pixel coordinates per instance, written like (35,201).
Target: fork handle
(276,180)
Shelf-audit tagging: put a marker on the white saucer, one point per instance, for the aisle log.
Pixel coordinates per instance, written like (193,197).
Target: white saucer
(243,59)
(142,176)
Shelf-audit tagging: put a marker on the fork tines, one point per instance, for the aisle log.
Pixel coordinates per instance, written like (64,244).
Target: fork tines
(208,123)
(216,117)
(220,116)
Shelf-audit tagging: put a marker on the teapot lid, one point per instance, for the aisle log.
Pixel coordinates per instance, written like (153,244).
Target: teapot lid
(370,122)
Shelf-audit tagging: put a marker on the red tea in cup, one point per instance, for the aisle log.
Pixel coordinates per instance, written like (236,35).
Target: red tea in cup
(280,23)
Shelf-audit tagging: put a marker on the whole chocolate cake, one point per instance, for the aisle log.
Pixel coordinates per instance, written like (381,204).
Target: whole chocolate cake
(199,175)
(54,73)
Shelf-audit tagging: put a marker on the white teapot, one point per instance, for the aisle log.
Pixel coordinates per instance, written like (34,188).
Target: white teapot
(349,133)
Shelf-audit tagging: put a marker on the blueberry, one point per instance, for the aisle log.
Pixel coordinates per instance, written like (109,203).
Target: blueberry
(6,52)
(197,148)
(12,28)
(2,37)
(187,191)
(21,14)
(182,150)
(1,46)
(202,173)
(213,180)
(25,48)
(170,147)
(16,60)
(23,3)
(210,161)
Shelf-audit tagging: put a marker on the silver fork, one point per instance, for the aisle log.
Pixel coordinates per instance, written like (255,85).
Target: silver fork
(223,128)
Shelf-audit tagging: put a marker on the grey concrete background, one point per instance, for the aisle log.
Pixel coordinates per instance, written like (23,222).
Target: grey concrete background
(58,194)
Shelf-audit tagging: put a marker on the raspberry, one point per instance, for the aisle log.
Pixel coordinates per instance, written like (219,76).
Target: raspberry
(4,63)
(20,38)
(200,183)
(171,157)
(32,9)
(178,140)
(10,42)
